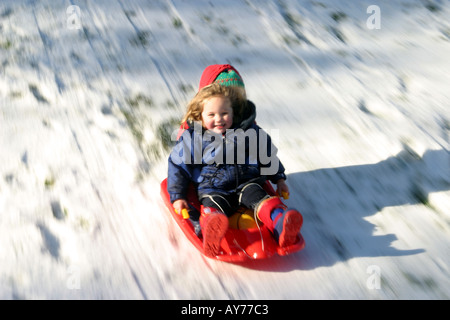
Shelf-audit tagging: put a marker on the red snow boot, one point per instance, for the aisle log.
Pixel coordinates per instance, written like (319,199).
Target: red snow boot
(214,225)
(284,223)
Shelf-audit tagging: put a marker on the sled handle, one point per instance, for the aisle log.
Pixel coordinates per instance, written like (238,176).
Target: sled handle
(184,213)
(285,195)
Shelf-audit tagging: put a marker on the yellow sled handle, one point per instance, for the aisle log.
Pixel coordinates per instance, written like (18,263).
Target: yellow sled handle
(285,195)
(184,213)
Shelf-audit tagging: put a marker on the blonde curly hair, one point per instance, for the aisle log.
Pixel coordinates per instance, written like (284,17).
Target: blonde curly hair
(234,94)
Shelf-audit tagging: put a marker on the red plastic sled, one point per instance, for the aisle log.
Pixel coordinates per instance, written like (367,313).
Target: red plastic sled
(238,245)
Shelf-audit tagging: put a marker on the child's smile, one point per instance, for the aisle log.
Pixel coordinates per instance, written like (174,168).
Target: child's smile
(217,114)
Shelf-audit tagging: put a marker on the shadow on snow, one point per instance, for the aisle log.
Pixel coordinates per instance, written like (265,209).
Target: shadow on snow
(336,201)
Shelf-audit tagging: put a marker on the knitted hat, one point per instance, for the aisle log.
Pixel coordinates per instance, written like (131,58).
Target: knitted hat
(224,74)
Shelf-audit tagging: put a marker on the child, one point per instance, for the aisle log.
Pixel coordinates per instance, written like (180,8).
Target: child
(222,186)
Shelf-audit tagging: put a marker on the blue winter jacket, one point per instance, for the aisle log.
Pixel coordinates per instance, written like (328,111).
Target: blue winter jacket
(222,163)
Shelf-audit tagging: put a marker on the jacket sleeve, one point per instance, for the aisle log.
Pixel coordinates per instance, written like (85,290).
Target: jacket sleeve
(179,173)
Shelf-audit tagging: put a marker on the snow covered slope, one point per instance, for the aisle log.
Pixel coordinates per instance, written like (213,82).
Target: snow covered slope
(89,99)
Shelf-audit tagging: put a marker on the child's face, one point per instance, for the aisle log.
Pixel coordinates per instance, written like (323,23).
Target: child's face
(217,114)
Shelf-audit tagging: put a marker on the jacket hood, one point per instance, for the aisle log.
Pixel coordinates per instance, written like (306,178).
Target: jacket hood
(247,118)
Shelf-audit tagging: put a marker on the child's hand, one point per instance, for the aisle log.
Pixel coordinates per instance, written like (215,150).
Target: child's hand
(283,189)
(179,205)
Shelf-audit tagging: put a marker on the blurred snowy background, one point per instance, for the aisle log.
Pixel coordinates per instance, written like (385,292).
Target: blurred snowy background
(90,92)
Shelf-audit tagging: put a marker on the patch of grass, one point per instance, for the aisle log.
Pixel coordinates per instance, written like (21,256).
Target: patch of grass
(224,31)
(318,4)
(291,20)
(49,182)
(206,18)
(133,124)
(420,195)
(338,34)
(83,223)
(186,88)
(170,104)
(290,40)
(155,150)
(6,45)
(15,94)
(152,151)
(338,16)
(177,23)
(139,99)
(164,132)
(425,282)
(432,7)
(237,40)
(141,39)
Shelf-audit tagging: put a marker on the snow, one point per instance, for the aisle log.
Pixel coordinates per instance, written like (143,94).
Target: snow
(363,124)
